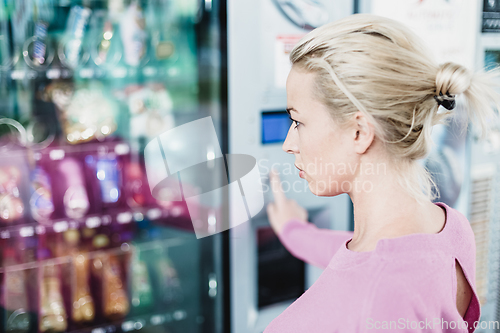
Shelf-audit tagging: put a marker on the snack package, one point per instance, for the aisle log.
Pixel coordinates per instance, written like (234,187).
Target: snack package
(72,50)
(106,172)
(76,201)
(15,301)
(52,316)
(40,44)
(141,290)
(170,286)
(133,34)
(11,204)
(89,115)
(115,299)
(41,203)
(150,109)
(83,309)
(107,271)
(136,185)
(85,113)
(105,47)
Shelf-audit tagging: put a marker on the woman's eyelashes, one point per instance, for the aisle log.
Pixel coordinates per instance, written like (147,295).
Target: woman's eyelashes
(295,121)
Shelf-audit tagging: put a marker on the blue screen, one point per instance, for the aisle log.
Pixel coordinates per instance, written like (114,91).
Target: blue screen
(275,125)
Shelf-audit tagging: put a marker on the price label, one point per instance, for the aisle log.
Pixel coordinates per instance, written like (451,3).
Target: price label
(154,213)
(119,72)
(93,222)
(86,73)
(106,219)
(40,230)
(157,319)
(17,74)
(124,217)
(179,314)
(56,154)
(122,149)
(127,326)
(73,224)
(26,231)
(60,226)
(149,71)
(53,73)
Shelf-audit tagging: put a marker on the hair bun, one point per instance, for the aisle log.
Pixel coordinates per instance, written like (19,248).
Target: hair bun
(452,79)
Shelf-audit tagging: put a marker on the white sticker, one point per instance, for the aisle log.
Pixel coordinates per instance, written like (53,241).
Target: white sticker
(282,48)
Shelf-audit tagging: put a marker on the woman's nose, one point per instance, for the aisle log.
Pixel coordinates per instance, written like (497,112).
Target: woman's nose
(290,145)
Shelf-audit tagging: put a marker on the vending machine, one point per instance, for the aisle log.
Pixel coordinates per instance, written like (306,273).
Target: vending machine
(265,277)
(85,87)
(485,182)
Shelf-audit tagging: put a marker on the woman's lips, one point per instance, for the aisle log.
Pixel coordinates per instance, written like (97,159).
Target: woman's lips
(301,172)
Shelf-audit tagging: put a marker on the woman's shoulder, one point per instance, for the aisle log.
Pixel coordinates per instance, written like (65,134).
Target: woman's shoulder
(424,264)
(418,251)
(456,239)
(424,254)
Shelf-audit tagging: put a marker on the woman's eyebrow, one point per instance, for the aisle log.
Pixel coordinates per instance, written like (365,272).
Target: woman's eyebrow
(290,109)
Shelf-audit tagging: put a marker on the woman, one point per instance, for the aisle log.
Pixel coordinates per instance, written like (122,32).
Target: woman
(363,95)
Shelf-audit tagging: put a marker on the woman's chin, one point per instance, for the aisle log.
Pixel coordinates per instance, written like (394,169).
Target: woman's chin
(320,192)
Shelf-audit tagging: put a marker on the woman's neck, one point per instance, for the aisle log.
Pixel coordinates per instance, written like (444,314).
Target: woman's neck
(389,211)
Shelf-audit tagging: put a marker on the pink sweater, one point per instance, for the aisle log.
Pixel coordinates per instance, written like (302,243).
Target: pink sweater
(407,284)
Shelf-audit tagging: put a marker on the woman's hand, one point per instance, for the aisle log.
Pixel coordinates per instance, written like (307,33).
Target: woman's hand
(282,210)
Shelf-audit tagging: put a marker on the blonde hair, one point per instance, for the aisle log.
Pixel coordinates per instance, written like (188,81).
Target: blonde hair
(381,68)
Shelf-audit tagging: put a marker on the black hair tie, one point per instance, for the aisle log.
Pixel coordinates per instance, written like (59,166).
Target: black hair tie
(447,101)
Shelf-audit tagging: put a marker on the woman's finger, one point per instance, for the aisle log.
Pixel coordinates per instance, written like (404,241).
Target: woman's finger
(270,208)
(279,195)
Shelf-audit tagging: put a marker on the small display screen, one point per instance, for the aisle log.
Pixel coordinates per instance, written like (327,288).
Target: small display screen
(275,125)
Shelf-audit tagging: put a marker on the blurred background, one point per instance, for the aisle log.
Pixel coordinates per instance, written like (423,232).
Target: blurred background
(85,85)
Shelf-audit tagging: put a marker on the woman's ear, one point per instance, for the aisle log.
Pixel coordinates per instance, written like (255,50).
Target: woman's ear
(364,133)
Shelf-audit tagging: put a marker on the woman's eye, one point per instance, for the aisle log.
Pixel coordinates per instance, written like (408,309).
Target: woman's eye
(295,121)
